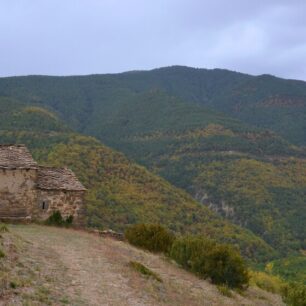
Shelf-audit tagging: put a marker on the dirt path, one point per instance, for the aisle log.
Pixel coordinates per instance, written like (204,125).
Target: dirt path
(91,270)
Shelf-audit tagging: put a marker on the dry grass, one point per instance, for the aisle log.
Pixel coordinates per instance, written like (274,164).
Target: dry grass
(79,268)
(137,266)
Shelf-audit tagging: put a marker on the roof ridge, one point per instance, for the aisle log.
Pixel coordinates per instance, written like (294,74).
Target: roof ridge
(52,167)
(12,145)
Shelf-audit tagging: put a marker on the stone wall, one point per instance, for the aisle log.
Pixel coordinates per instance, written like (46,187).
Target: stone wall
(20,199)
(69,203)
(17,193)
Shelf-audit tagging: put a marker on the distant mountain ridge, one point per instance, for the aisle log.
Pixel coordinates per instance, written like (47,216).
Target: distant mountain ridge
(264,101)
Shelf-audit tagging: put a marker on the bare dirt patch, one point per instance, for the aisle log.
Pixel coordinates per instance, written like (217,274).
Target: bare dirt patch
(79,268)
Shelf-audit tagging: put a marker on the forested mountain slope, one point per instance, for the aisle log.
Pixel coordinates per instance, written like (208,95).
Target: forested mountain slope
(119,191)
(231,140)
(263,101)
(158,119)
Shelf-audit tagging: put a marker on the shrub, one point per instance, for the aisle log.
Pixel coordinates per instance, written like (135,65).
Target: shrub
(266,281)
(191,251)
(152,237)
(13,285)
(206,258)
(144,270)
(69,220)
(2,254)
(3,228)
(57,219)
(294,294)
(226,266)
(224,290)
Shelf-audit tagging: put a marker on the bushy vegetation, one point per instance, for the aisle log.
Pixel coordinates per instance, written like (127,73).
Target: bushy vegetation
(294,294)
(152,237)
(266,281)
(224,290)
(268,198)
(2,254)
(206,258)
(291,268)
(3,228)
(137,266)
(226,266)
(188,252)
(57,219)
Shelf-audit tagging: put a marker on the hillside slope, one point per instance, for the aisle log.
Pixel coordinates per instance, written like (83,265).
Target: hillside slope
(55,266)
(202,130)
(121,192)
(183,143)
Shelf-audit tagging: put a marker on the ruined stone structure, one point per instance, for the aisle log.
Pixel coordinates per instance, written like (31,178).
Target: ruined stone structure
(32,192)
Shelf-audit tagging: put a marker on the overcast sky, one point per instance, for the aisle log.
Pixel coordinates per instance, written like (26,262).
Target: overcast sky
(65,37)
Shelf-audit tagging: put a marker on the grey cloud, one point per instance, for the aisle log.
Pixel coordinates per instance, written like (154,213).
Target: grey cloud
(98,36)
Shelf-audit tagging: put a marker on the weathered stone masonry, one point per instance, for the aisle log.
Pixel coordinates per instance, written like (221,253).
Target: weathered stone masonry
(32,192)
(17,192)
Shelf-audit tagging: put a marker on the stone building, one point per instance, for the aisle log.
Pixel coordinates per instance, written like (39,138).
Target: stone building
(32,192)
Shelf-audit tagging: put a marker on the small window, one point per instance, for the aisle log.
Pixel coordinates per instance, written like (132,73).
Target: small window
(44,205)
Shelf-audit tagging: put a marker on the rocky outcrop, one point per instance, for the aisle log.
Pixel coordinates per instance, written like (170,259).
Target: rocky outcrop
(219,207)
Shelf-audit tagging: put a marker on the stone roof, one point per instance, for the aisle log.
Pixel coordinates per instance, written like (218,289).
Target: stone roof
(16,157)
(50,178)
